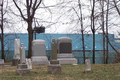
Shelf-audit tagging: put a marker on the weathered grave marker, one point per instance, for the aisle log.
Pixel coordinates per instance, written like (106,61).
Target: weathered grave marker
(39,56)
(87,65)
(16,58)
(17,47)
(1,61)
(29,64)
(22,54)
(54,67)
(22,68)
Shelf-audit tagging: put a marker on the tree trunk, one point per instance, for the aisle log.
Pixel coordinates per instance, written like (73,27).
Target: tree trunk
(2,43)
(2,33)
(107,31)
(93,47)
(102,19)
(81,20)
(83,47)
(104,47)
(30,39)
(93,30)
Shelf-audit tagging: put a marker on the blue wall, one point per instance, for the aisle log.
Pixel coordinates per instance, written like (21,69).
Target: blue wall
(76,44)
(76,40)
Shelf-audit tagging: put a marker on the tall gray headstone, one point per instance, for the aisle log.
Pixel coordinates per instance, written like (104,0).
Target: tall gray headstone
(64,46)
(54,67)
(22,54)
(16,57)
(54,49)
(17,49)
(22,68)
(39,56)
(54,52)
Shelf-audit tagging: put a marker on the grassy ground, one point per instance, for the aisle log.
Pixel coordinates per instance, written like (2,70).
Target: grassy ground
(69,72)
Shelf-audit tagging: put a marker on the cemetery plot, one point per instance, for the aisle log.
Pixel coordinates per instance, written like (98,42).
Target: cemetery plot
(69,72)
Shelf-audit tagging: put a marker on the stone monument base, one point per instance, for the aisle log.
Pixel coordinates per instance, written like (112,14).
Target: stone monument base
(54,62)
(54,68)
(22,69)
(15,62)
(22,66)
(67,60)
(40,60)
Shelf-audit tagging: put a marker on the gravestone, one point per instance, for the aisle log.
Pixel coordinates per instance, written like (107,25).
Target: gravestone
(17,47)
(87,65)
(54,52)
(22,68)
(16,58)
(29,64)
(1,61)
(64,46)
(22,54)
(54,67)
(39,56)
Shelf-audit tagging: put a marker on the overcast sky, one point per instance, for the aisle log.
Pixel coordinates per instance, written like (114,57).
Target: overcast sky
(60,18)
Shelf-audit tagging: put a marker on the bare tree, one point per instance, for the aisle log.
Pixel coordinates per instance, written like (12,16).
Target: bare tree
(2,26)
(31,7)
(102,21)
(107,31)
(93,29)
(81,20)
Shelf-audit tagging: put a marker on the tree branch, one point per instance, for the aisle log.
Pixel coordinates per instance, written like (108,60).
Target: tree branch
(116,7)
(30,3)
(19,10)
(35,7)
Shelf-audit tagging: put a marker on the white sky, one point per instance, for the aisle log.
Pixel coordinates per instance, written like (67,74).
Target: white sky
(67,23)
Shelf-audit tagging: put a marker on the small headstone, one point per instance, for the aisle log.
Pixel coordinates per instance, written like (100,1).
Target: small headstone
(1,61)
(87,65)
(29,64)
(22,54)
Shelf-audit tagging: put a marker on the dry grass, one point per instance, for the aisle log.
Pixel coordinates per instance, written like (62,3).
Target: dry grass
(69,72)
